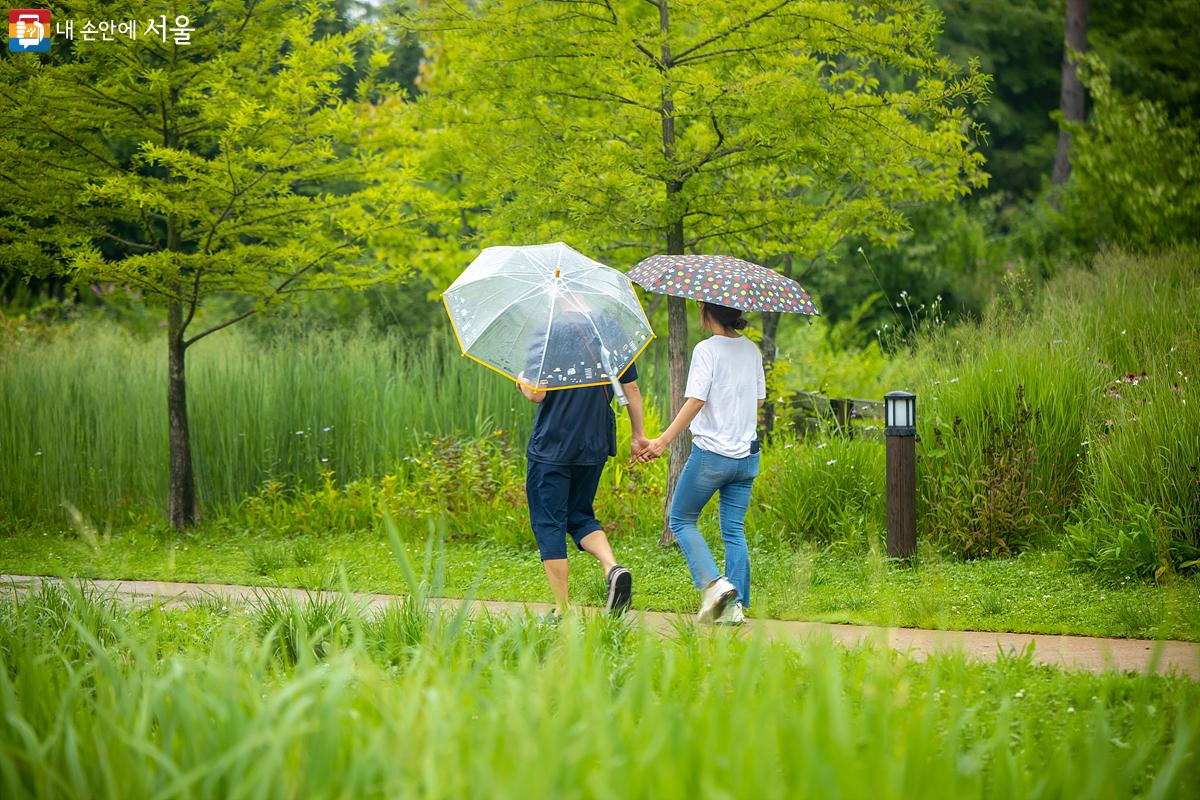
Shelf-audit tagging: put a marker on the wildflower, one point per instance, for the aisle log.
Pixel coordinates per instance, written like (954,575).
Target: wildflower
(903,293)
(937,383)
(831,462)
(822,445)
(323,460)
(299,433)
(327,429)
(1085,443)
(38,453)
(954,380)
(1122,332)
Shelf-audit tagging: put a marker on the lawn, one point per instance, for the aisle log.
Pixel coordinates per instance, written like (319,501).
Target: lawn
(1035,592)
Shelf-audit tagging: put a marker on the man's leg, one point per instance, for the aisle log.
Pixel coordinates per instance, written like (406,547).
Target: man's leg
(546,490)
(556,574)
(597,544)
(585,529)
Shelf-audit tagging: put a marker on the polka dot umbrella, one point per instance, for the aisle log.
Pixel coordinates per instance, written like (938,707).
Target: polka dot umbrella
(723,280)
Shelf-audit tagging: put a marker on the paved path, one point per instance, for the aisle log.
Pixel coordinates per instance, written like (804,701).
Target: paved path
(1068,652)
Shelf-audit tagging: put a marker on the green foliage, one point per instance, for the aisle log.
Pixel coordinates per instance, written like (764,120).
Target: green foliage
(1103,359)
(822,490)
(286,409)
(755,128)
(1136,169)
(202,169)
(221,715)
(998,504)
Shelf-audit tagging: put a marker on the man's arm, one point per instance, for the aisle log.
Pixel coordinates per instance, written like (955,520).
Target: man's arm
(530,395)
(636,418)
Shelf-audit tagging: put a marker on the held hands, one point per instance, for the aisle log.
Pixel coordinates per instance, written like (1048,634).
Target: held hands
(650,450)
(636,448)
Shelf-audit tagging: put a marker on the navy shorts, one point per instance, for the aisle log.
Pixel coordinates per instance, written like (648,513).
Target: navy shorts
(560,504)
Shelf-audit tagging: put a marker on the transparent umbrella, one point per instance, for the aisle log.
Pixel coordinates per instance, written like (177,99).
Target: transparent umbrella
(548,316)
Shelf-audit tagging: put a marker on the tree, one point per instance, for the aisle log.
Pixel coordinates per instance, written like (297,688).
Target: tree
(764,127)
(228,166)
(1073,96)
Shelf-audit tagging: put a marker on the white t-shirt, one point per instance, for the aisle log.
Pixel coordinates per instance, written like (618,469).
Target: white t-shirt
(727,374)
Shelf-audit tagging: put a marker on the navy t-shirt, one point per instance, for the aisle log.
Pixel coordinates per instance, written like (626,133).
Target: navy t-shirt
(576,426)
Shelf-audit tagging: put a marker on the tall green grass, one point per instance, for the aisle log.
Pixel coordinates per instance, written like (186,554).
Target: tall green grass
(84,413)
(196,704)
(1092,444)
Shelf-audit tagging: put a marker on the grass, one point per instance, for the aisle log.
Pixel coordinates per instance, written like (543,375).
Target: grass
(200,703)
(1035,592)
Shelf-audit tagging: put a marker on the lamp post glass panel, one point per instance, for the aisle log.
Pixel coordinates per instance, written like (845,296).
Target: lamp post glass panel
(900,431)
(901,416)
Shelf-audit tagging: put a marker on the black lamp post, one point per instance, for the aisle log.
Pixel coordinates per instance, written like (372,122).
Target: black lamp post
(900,432)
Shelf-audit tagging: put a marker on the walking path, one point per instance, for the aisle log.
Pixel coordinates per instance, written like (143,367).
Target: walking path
(1067,652)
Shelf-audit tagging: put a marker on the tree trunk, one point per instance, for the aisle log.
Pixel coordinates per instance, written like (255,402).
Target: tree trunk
(770,327)
(1072,97)
(677,333)
(181,503)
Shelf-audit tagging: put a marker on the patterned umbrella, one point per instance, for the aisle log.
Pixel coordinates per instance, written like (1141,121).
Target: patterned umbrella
(723,280)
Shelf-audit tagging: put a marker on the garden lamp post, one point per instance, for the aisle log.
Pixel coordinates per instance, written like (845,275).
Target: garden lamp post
(900,432)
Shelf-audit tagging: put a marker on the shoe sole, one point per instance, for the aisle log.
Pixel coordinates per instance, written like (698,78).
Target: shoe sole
(714,611)
(620,592)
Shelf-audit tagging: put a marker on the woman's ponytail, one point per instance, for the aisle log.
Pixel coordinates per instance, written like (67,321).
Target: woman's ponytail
(728,318)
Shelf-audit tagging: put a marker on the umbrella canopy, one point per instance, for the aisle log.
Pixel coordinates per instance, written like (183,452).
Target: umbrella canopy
(723,280)
(548,316)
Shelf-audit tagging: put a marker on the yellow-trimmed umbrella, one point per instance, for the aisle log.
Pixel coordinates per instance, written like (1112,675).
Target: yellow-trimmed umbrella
(548,316)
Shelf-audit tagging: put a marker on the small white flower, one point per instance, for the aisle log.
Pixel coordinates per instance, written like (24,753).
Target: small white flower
(1070,709)
(323,460)
(327,428)
(954,380)
(831,462)
(1122,333)
(937,383)
(38,453)
(822,445)
(1085,442)
(299,433)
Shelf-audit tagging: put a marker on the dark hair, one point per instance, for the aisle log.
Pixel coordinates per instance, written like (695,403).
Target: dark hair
(728,318)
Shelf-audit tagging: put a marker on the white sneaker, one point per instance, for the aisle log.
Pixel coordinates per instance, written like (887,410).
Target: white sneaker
(732,615)
(714,598)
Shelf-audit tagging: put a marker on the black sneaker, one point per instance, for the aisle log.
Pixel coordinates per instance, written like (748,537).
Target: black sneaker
(620,590)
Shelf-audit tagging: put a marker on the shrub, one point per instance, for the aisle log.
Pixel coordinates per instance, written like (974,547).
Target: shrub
(821,489)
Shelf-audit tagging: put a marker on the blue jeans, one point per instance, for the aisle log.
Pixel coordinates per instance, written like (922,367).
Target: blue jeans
(707,473)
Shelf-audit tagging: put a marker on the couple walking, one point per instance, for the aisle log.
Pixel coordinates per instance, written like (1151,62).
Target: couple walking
(574,434)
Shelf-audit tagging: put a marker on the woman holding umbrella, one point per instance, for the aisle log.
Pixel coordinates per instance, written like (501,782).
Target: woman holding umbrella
(725,388)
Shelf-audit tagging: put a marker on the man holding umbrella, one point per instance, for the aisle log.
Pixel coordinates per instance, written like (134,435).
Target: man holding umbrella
(574,434)
(567,329)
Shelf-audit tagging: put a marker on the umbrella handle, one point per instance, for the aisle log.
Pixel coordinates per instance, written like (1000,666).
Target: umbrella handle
(618,390)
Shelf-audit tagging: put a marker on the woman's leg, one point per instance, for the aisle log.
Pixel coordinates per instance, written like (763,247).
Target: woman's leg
(691,493)
(734,501)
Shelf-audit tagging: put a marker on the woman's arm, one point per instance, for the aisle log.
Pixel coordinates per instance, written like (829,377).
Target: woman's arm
(656,447)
